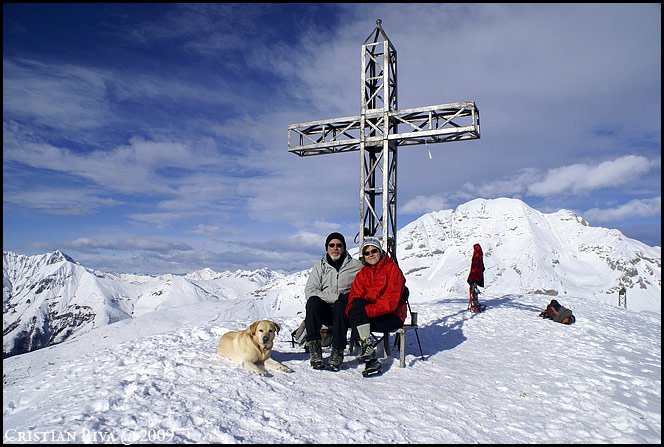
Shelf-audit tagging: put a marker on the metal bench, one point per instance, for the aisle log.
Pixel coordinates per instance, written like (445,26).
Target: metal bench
(401,339)
(399,333)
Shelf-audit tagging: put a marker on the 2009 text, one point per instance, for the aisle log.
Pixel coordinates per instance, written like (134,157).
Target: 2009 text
(147,435)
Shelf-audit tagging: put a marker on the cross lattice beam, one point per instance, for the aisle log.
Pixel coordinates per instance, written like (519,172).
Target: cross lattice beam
(375,133)
(433,124)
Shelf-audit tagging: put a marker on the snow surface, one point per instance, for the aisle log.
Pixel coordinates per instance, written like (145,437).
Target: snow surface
(502,376)
(148,370)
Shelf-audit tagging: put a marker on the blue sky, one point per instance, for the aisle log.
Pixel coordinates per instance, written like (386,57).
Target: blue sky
(152,138)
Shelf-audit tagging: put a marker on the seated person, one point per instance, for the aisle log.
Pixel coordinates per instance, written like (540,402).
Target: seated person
(375,297)
(327,293)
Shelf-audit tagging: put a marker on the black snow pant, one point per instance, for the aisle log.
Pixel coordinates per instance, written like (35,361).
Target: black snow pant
(332,315)
(357,316)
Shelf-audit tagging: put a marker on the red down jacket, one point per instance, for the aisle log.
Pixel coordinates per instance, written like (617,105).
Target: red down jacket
(477,266)
(382,285)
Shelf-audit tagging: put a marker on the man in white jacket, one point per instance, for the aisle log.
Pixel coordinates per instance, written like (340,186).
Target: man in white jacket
(327,294)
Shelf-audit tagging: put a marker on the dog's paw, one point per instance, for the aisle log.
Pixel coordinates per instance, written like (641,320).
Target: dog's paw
(256,369)
(271,363)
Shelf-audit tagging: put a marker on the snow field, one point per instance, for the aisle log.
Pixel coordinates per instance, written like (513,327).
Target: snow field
(501,376)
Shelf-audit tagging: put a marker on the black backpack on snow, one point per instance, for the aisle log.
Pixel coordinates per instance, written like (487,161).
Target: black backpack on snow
(299,336)
(554,311)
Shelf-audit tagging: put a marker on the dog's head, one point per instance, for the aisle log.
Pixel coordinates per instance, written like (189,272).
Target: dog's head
(264,331)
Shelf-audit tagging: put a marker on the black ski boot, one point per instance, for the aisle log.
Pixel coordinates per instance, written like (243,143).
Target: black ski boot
(335,360)
(475,305)
(368,355)
(371,368)
(367,350)
(315,354)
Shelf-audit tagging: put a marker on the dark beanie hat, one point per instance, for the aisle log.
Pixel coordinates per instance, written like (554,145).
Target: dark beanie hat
(335,236)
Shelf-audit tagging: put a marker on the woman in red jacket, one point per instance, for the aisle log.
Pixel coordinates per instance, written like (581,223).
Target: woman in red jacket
(375,300)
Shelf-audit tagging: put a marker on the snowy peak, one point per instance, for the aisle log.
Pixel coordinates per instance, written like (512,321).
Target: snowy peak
(172,292)
(50,298)
(526,251)
(47,298)
(260,276)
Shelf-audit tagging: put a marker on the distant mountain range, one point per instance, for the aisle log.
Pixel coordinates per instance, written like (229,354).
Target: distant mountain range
(49,298)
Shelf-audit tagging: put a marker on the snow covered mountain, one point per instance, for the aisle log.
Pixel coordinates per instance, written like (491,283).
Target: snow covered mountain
(526,251)
(50,298)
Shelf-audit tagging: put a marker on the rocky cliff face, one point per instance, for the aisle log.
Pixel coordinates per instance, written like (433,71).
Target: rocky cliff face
(40,301)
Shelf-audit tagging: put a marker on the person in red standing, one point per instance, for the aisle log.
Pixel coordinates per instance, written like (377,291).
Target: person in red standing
(375,300)
(476,278)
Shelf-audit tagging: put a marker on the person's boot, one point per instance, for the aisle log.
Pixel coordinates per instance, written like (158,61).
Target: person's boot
(372,367)
(335,360)
(367,350)
(315,354)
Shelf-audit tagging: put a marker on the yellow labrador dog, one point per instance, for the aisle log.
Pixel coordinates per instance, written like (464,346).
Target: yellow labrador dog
(252,347)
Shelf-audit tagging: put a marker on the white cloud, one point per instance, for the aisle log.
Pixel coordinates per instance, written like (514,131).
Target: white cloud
(159,220)
(58,200)
(634,209)
(204,229)
(187,168)
(577,179)
(129,244)
(65,97)
(325,226)
(209,230)
(506,186)
(424,204)
(581,178)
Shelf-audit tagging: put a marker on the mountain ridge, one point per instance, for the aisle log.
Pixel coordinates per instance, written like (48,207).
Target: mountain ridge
(526,251)
(49,298)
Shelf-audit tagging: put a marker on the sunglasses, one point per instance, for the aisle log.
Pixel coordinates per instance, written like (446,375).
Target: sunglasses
(370,252)
(335,245)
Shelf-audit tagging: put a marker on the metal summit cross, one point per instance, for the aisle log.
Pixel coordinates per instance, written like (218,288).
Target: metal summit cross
(374,133)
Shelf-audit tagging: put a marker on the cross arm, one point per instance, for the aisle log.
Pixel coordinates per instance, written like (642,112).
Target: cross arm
(431,124)
(437,124)
(324,136)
